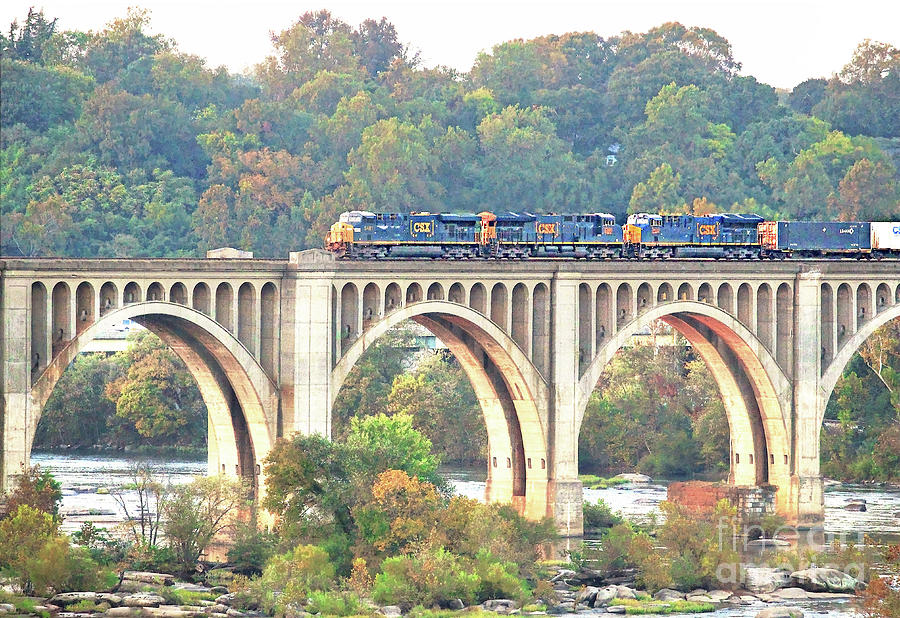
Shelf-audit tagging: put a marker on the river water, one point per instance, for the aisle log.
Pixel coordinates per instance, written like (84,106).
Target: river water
(81,475)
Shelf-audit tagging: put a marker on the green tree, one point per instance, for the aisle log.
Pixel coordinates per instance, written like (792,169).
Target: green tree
(196,512)
(660,192)
(157,394)
(438,396)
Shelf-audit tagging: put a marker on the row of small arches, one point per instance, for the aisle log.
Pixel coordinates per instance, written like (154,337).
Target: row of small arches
(845,310)
(514,311)
(56,320)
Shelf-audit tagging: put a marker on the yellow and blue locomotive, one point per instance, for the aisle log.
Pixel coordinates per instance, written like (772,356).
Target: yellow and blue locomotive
(368,235)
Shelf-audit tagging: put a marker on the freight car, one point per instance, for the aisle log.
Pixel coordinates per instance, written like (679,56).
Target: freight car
(368,235)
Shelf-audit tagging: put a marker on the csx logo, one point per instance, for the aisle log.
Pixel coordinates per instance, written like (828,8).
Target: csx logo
(706,230)
(422,227)
(897,229)
(547,228)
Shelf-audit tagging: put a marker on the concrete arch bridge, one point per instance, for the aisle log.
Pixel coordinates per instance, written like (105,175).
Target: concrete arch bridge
(270,342)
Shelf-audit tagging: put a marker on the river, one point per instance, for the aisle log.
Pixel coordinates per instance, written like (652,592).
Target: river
(81,475)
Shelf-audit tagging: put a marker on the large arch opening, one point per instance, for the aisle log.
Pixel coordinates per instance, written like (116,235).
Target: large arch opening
(750,383)
(236,391)
(858,427)
(505,384)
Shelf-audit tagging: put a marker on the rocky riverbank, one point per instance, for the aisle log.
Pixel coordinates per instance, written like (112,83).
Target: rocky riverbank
(566,591)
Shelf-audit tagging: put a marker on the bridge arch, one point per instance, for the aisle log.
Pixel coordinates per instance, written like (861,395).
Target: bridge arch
(239,395)
(511,392)
(846,351)
(755,391)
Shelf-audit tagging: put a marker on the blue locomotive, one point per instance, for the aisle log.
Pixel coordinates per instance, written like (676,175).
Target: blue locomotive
(368,235)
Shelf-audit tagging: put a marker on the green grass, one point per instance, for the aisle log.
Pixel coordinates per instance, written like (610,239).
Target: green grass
(634,607)
(88,606)
(592,481)
(175,596)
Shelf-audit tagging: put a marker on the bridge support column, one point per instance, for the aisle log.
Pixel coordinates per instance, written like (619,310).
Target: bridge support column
(16,428)
(313,358)
(565,490)
(808,410)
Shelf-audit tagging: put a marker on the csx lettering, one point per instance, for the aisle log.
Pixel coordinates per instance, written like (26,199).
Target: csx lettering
(846,230)
(706,230)
(546,228)
(422,227)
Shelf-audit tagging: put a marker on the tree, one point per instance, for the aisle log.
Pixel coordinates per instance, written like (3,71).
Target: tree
(377,46)
(525,166)
(22,537)
(390,167)
(196,512)
(807,94)
(378,443)
(157,394)
(315,43)
(41,97)
(27,42)
(659,193)
(438,396)
(38,489)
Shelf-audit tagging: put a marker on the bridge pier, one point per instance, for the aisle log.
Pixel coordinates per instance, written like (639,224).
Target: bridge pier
(808,405)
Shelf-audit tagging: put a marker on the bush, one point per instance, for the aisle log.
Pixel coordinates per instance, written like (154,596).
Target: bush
(600,515)
(432,578)
(291,578)
(334,604)
(38,489)
(196,512)
(499,580)
(251,549)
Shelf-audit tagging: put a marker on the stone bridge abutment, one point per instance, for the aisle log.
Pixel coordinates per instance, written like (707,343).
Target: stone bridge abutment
(271,342)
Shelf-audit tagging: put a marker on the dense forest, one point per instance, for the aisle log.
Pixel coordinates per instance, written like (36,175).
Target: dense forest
(114,143)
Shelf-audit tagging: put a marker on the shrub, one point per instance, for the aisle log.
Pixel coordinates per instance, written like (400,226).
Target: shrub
(499,580)
(103,548)
(431,578)
(196,512)
(291,577)
(332,603)
(251,549)
(38,489)
(600,515)
(22,537)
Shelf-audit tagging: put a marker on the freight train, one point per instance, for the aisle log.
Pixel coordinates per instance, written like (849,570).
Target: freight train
(367,235)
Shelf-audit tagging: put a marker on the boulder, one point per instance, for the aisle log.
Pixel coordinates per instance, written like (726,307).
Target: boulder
(147,577)
(780,612)
(699,598)
(624,592)
(168,611)
(109,597)
(8,607)
(587,595)
(762,579)
(225,599)
(605,595)
(719,595)
(634,478)
(113,612)
(190,587)
(563,574)
(456,605)
(233,612)
(616,609)
(501,606)
(70,598)
(791,594)
(824,580)
(667,594)
(858,506)
(143,599)
(390,611)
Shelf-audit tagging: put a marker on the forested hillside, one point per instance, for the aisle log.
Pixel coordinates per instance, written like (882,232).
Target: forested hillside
(114,143)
